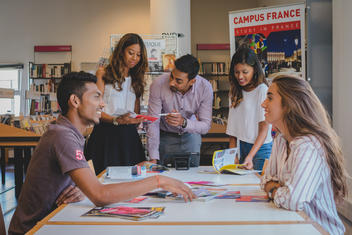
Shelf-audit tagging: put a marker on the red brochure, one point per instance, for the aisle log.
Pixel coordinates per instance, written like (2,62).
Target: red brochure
(146,117)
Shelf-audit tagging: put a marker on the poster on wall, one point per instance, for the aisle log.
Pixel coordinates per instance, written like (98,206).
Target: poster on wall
(154,48)
(275,34)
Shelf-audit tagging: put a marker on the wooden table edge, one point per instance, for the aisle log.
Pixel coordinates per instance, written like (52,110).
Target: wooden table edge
(46,219)
(9,144)
(176,223)
(315,224)
(101,174)
(134,223)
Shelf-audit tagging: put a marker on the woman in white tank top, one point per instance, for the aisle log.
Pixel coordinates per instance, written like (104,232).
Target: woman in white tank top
(115,140)
(246,121)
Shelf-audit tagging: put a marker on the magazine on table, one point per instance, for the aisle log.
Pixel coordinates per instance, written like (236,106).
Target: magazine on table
(223,162)
(126,212)
(202,194)
(253,198)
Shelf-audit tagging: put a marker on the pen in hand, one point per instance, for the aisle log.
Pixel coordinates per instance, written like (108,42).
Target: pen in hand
(165,114)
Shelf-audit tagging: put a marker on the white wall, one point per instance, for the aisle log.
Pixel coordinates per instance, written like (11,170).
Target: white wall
(267,3)
(84,24)
(210,24)
(172,16)
(342,77)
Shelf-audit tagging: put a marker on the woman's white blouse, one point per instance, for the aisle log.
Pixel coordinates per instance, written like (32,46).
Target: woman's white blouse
(243,121)
(119,102)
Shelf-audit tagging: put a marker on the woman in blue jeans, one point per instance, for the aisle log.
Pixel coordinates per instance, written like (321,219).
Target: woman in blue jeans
(246,121)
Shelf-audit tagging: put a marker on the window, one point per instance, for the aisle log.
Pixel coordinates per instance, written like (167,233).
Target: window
(10,77)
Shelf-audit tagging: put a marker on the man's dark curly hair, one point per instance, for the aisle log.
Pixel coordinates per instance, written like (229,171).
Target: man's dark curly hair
(72,83)
(188,64)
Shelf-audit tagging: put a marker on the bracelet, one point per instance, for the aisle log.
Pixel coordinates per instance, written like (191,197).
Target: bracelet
(158,181)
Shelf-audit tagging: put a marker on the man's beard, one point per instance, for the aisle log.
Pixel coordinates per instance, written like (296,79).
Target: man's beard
(174,89)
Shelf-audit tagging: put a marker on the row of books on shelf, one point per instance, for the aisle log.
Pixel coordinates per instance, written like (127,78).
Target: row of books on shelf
(44,87)
(213,68)
(49,70)
(44,105)
(222,84)
(36,123)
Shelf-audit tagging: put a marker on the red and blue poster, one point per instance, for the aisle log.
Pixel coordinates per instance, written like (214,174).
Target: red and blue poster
(275,34)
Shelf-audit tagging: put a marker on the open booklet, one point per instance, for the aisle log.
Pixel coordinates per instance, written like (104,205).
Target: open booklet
(202,194)
(223,162)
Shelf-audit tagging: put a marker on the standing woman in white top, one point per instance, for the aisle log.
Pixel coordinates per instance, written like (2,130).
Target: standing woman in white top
(246,121)
(306,168)
(115,141)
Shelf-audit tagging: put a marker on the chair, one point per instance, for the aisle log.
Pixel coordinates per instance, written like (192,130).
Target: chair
(264,166)
(91,165)
(2,222)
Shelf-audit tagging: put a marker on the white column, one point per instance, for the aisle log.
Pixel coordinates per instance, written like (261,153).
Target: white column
(172,16)
(342,82)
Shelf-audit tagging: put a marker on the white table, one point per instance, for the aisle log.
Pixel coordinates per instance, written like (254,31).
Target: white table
(193,174)
(277,229)
(178,212)
(195,215)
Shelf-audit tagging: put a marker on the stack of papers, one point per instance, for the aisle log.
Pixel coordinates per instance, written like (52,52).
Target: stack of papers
(125,212)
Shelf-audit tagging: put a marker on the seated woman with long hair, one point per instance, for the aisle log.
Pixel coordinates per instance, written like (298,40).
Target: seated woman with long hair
(305,170)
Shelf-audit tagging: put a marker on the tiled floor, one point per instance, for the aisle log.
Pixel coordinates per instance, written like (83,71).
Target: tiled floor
(7,195)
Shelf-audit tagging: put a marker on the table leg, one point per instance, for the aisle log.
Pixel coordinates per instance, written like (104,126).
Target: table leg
(27,158)
(18,170)
(3,165)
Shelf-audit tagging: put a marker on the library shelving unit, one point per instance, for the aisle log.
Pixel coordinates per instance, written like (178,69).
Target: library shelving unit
(44,79)
(214,66)
(217,74)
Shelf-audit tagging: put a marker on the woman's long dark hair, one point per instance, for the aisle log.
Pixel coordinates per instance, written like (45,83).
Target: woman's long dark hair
(116,65)
(244,55)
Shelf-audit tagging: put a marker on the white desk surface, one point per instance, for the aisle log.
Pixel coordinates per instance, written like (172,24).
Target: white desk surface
(276,229)
(225,215)
(205,212)
(216,210)
(193,174)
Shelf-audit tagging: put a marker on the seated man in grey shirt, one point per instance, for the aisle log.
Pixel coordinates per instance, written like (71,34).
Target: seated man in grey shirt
(58,162)
(187,99)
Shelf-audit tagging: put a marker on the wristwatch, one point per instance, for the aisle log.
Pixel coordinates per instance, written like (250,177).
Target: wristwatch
(184,123)
(270,193)
(114,121)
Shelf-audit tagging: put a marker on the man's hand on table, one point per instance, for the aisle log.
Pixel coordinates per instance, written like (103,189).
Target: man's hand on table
(69,195)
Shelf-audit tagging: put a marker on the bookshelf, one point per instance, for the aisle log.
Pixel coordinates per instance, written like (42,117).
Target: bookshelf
(45,77)
(214,62)
(214,66)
